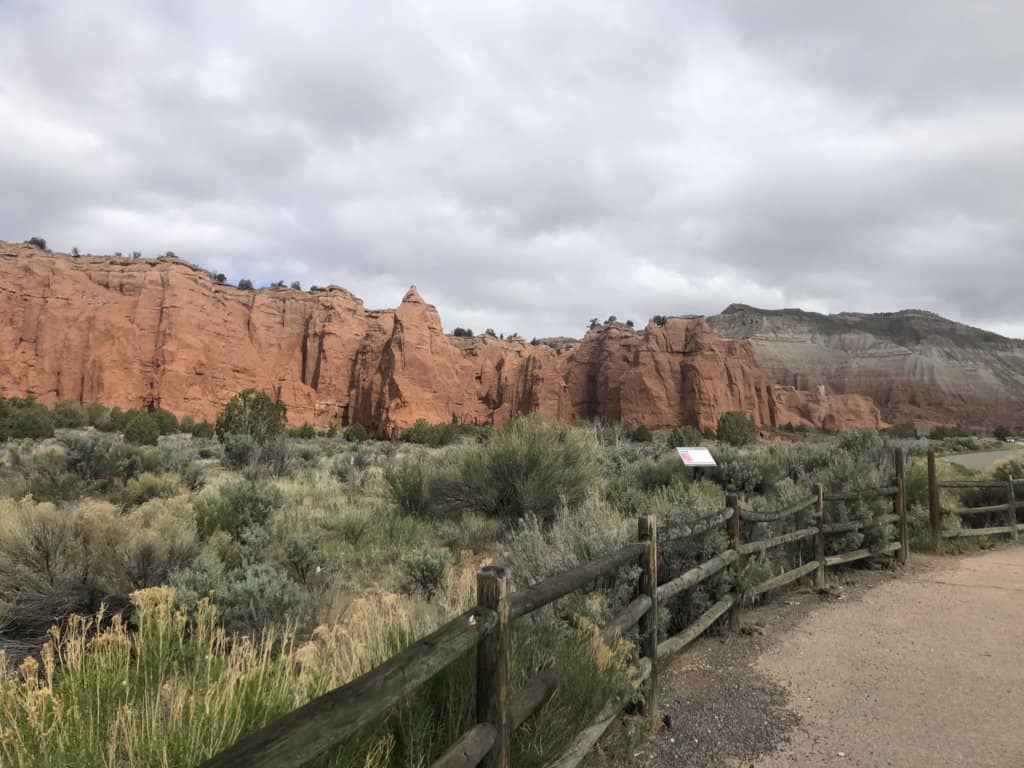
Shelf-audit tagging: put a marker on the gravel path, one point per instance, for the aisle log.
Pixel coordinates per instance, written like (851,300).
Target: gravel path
(913,669)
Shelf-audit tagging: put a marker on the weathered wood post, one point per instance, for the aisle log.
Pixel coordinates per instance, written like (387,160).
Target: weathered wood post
(934,511)
(1011,500)
(493,664)
(900,506)
(819,537)
(733,502)
(647,530)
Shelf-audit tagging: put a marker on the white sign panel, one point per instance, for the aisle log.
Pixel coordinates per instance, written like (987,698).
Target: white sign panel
(696,457)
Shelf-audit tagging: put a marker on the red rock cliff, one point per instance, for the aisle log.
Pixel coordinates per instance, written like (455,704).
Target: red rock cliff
(144,333)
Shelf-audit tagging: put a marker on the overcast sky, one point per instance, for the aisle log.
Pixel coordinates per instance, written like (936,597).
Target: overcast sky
(531,165)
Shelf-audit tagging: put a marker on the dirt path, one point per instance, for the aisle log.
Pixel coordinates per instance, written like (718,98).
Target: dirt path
(985,460)
(922,671)
(915,670)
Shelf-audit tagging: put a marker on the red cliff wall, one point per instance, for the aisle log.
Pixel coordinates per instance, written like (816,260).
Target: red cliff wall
(141,333)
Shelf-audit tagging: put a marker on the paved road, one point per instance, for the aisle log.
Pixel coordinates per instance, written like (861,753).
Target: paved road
(921,671)
(983,460)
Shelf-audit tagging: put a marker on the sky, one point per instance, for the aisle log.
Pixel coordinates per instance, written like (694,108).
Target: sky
(532,165)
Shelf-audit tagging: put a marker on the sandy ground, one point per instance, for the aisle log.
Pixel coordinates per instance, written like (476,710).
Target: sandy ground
(984,460)
(922,671)
(915,667)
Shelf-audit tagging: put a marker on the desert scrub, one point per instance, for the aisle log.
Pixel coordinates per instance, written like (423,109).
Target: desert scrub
(530,465)
(236,506)
(425,569)
(175,689)
(55,562)
(151,486)
(537,549)
(407,487)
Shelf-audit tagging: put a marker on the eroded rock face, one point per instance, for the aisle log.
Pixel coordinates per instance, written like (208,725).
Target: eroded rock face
(917,366)
(144,333)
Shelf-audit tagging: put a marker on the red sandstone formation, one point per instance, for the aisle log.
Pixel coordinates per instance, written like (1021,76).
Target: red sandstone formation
(148,333)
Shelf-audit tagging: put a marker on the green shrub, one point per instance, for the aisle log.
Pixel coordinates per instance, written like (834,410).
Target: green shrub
(68,415)
(242,452)
(252,427)
(355,433)
(306,432)
(685,437)
(97,415)
(299,552)
(736,428)
(861,442)
(252,413)
(407,487)
(738,473)
(530,466)
(146,486)
(33,422)
(236,507)
(115,422)
(424,569)
(142,429)
(641,435)
(248,599)
(436,435)
(203,429)
(258,596)
(166,421)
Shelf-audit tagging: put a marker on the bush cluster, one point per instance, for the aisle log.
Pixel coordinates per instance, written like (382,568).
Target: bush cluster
(736,428)
(423,432)
(55,562)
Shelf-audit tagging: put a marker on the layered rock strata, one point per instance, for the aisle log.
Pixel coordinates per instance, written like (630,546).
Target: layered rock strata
(916,366)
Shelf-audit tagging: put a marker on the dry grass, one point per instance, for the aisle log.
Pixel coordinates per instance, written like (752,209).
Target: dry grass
(174,688)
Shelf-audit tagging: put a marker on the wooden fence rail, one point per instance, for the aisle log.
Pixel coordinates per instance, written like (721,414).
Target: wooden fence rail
(327,721)
(937,512)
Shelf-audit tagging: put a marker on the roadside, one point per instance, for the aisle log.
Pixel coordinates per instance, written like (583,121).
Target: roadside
(914,669)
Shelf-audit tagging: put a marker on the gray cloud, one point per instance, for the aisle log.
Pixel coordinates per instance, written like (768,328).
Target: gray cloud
(531,165)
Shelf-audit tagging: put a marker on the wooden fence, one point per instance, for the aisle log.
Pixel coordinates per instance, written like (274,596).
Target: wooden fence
(330,719)
(985,513)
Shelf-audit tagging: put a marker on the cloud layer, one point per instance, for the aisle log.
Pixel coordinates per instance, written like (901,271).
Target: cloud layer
(532,165)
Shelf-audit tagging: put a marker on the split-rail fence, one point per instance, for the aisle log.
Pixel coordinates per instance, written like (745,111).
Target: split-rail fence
(1004,515)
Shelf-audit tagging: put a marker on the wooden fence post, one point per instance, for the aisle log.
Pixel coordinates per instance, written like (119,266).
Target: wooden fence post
(493,663)
(733,502)
(934,511)
(1011,500)
(819,537)
(647,530)
(900,504)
